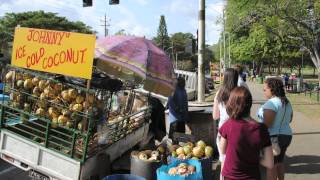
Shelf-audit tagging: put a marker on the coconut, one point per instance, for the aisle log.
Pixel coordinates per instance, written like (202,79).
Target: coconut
(69,124)
(161,149)
(143,156)
(27,84)
(36,91)
(198,151)
(62,119)
(190,144)
(52,111)
(186,149)
(66,112)
(54,123)
(65,95)
(201,144)
(91,98)
(208,151)
(20,83)
(35,81)
(173,171)
(180,151)
(191,169)
(43,96)
(9,76)
(77,107)
(80,126)
(27,107)
(58,87)
(40,112)
(79,99)
(181,156)
(173,148)
(42,84)
(72,93)
(174,154)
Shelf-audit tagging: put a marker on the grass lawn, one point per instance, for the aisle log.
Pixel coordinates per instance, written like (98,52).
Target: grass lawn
(309,106)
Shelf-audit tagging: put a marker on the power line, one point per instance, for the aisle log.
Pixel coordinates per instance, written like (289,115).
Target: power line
(106,24)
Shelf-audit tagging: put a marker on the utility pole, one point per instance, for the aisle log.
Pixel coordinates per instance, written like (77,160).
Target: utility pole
(201,51)
(105,25)
(220,74)
(229,50)
(224,43)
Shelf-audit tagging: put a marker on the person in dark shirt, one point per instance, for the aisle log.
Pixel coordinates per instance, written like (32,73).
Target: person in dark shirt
(243,140)
(178,108)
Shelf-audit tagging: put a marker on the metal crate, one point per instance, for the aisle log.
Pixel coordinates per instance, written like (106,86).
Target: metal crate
(76,142)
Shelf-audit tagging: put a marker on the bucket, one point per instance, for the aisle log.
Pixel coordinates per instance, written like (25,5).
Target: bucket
(123,177)
(143,168)
(206,164)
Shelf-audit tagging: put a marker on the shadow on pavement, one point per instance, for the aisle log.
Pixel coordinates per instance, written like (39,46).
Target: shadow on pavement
(303,164)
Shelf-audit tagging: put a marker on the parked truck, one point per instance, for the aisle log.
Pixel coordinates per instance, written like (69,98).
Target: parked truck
(59,130)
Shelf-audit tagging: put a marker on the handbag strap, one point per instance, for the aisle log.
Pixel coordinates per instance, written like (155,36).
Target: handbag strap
(284,114)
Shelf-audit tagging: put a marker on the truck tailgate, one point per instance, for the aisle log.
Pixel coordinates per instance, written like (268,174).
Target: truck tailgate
(28,155)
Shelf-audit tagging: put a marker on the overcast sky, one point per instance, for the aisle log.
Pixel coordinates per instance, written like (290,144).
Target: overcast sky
(137,17)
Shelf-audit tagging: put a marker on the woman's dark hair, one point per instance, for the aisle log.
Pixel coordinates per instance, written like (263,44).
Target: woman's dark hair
(181,83)
(230,81)
(239,103)
(277,89)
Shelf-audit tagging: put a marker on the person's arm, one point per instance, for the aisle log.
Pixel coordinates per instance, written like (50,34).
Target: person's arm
(223,145)
(215,109)
(267,158)
(291,117)
(268,117)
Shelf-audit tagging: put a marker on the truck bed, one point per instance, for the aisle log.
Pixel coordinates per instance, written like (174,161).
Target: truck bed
(28,155)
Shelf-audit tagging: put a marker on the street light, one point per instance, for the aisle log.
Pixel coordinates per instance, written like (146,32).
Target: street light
(302,50)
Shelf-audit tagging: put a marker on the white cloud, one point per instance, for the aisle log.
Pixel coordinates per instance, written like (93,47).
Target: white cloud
(92,16)
(129,23)
(213,14)
(181,7)
(141,2)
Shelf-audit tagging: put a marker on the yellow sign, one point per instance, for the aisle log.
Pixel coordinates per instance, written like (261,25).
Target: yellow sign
(53,51)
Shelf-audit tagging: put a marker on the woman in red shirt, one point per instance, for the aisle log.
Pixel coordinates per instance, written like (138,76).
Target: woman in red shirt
(244,143)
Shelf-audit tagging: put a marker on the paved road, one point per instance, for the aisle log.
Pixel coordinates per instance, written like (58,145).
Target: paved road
(9,172)
(303,155)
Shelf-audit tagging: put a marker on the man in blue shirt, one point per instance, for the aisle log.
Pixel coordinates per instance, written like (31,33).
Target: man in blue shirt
(178,108)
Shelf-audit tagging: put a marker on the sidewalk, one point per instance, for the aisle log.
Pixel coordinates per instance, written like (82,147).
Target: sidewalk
(303,155)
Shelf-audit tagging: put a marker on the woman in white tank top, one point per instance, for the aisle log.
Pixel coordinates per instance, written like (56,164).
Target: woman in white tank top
(230,81)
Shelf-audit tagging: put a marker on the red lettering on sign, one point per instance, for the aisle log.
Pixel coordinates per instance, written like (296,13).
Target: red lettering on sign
(21,52)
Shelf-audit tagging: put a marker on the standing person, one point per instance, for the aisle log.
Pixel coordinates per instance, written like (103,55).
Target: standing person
(286,81)
(243,140)
(241,81)
(178,108)
(230,80)
(277,114)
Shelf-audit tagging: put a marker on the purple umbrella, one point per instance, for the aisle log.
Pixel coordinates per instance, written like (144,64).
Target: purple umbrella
(137,59)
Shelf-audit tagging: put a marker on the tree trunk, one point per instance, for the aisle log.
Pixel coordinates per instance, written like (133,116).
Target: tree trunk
(316,60)
(319,78)
(314,71)
(261,69)
(278,67)
(299,70)
(269,67)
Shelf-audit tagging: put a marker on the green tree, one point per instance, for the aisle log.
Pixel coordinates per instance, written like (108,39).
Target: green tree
(121,32)
(162,39)
(37,19)
(288,26)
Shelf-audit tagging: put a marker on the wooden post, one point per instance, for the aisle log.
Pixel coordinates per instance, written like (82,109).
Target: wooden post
(85,122)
